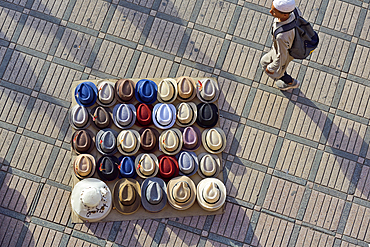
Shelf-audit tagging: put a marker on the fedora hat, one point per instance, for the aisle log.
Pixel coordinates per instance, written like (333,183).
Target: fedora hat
(168,167)
(146,165)
(170,141)
(91,200)
(82,141)
(144,114)
(106,94)
(186,88)
(167,91)
(108,168)
(126,196)
(214,140)
(207,115)
(101,117)
(191,137)
(128,142)
(146,91)
(181,192)
(211,194)
(86,93)
(106,141)
(84,166)
(209,165)
(124,115)
(125,90)
(164,115)
(126,167)
(154,196)
(148,139)
(188,163)
(79,117)
(186,114)
(208,90)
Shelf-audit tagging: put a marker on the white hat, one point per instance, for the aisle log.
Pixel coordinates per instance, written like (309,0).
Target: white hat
(181,192)
(285,6)
(208,90)
(186,114)
(146,165)
(170,141)
(209,165)
(128,142)
(106,93)
(167,91)
(214,140)
(164,115)
(79,118)
(211,194)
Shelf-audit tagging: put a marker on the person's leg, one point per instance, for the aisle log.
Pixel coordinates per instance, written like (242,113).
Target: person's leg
(287,82)
(286,78)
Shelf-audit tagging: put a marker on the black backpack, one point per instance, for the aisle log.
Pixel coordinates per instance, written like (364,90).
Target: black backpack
(305,40)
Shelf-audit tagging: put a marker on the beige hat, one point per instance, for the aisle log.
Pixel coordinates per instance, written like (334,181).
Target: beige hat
(106,93)
(209,165)
(208,90)
(127,196)
(211,194)
(181,192)
(84,166)
(186,87)
(214,140)
(186,114)
(146,165)
(170,141)
(128,142)
(167,91)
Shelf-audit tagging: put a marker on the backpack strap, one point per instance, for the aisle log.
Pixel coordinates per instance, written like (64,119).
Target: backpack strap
(288,26)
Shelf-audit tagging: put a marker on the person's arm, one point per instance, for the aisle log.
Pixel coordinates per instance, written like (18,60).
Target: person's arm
(282,49)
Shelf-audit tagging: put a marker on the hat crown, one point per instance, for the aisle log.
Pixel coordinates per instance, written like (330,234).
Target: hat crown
(166,90)
(190,138)
(181,192)
(106,166)
(107,142)
(106,94)
(167,167)
(186,163)
(170,141)
(79,116)
(147,165)
(214,139)
(208,165)
(128,140)
(164,116)
(126,90)
(82,141)
(146,91)
(207,113)
(211,193)
(83,165)
(127,166)
(208,90)
(154,193)
(90,197)
(101,117)
(185,88)
(124,114)
(85,93)
(143,113)
(127,194)
(185,113)
(148,139)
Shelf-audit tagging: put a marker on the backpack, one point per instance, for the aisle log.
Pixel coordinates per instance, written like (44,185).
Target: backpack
(306,39)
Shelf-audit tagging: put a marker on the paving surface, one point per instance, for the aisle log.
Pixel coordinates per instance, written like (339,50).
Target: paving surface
(297,165)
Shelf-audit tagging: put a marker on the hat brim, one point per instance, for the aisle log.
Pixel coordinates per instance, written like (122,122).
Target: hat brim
(161,148)
(99,134)
(205,205)
(93,168)
(171,200)
(116,85)
(196,163)
(116,203)
(137,143)
(194,91)
(95,89)
(108,110)
(113,102)
(156,163)
(154,118)
(216,93)
(174,96)
(205,145)
(156,133)
(199,134)
(115,109)
(195,115)
(115,169)
(137,96)
(148,206)
(200,121)
(70,119)
(92,136)
(218,168)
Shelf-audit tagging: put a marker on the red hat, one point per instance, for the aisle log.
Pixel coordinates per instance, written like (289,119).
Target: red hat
(168,167)
(144,114)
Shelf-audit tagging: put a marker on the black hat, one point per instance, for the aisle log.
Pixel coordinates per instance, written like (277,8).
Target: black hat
(107,168)
(207,115)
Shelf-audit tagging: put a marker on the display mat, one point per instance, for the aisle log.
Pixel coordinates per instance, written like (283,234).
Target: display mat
(168,210)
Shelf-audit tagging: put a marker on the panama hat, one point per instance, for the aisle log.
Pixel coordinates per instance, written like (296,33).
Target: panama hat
(128,142)
(154,197)
(144,114)
(106,141)
(191,137)
(168,167)
(84,166)
(146,91)
(186,88)
(101,117)
(181,192)
(188,163)
(82,141)
(167,91)
(186,114)
(126,167)
(126,196)
(208,90)
(209,165)
(207,115)
(164,115)
(124,115)
(214,140)
(106,94)
(211,194)
(125,90)
(91,200)
(146,165)
(79,117)
(86,93)
(108,168)
(148,139)
(170,141)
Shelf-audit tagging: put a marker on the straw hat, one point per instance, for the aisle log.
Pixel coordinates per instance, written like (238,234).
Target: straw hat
(84,166)
(186,114)
(124,115)
(214,140)
(101,117)
(146,91)
(79,117)
(209,165)
(168,167)
(106,141)
(127,196)
(186,87)
(146,165)
(164,115)
(170,141)
(149,139)
(106,94)
(154,197)
(128,142)
(167,91)
(86,93)
(207,115)
(188,163)
(181,192)
(126,167)
(83,141)
(208,90)
(91,200)
(125,90)
(108,168)
(191,137)
(211,194)
(144,114)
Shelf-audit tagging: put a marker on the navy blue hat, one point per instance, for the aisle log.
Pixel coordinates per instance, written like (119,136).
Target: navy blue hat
(86,93)
(146,91)
(126,167)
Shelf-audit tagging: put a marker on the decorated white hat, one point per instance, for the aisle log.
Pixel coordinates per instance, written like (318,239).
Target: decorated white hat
(208,90)
(146,165)
(128,142)
(211,194)
(106,93)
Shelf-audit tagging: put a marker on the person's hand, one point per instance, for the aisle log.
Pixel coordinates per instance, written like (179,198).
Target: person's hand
(269,72)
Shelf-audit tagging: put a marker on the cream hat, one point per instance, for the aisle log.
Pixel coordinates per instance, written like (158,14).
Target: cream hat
(84,166)
(128,142)
(181,192)
(146,165)
(167,91)
(91,200)
(214,140)
(208,90)
(186,114)
(106,93)
(211,194)
(209,165)
(170,141)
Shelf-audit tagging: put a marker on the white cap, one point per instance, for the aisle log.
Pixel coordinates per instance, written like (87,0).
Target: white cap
(285,6)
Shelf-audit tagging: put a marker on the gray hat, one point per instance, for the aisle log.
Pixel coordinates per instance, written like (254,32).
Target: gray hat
(124,115)
(79,117)
(188,163)
(106,141)
(153,194)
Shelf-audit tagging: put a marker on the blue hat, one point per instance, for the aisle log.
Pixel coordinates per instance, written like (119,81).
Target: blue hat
(126,167)
(86,93)
(146,91)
